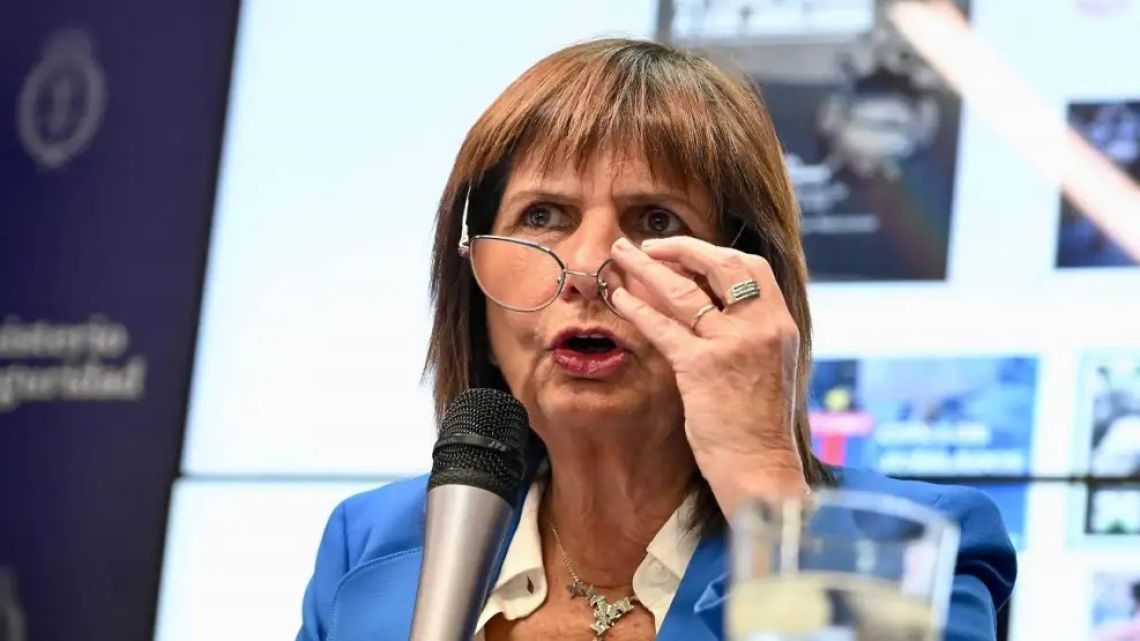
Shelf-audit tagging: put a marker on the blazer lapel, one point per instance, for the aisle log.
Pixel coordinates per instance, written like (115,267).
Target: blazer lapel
(697,612)
(376,599)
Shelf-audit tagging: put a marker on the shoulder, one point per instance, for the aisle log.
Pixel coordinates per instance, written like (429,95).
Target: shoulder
(382,521)
(984,549)
(971,508)
(848,478)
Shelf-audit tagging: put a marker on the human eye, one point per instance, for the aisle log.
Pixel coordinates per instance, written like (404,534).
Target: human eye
(656,221)
(541,216)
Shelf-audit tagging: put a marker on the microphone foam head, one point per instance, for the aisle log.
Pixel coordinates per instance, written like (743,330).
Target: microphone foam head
(483,442)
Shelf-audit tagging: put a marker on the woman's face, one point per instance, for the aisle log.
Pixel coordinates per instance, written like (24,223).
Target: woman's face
(575,364)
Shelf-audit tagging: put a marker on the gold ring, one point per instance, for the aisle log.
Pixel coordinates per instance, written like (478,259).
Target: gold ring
(708,307)
(742,291)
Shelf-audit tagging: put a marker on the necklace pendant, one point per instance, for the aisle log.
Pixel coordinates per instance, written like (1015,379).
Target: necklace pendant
(606,614)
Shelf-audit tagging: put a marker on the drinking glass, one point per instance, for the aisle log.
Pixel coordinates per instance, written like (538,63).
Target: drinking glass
(840,566)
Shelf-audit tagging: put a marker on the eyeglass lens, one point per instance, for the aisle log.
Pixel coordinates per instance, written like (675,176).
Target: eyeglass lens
(525,277)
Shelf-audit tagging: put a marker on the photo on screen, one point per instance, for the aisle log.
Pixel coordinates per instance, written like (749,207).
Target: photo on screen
(1110,417)
(932,417)
(869,130)
(1113,509)
(1115,607)
(1113,128)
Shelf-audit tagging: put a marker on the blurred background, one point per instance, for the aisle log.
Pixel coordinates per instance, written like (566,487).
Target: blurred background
(214,237)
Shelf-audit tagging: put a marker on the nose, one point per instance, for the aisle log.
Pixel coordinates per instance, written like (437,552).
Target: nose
(584,252)
(581,283)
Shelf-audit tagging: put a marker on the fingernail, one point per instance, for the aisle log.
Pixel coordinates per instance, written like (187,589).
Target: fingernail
(650,242)
(623,244)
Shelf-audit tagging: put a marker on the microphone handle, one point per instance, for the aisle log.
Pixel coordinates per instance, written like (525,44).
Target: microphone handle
(465,530)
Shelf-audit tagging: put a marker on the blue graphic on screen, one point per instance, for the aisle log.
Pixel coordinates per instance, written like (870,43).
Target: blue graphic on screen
(930,417)
(1116,607)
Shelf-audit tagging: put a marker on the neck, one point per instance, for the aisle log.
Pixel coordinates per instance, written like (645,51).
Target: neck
(609,500)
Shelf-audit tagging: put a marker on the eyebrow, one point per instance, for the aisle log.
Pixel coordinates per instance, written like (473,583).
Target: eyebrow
(629,198)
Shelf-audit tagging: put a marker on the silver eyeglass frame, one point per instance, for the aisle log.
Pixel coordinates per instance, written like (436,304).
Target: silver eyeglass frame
(464,249)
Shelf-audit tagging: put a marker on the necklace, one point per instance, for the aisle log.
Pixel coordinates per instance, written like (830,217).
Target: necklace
(606,614)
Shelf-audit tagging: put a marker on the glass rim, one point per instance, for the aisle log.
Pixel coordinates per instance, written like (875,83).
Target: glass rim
(939,533)
(935,523)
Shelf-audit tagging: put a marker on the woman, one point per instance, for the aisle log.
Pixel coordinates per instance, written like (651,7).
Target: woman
(666,378)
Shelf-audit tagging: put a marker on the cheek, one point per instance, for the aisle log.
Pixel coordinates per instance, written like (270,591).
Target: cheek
(512,336)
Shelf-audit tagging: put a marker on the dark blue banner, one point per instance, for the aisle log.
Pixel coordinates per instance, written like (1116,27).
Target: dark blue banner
(111,115)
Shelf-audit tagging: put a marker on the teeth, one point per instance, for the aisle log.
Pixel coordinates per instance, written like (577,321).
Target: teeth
(594,336)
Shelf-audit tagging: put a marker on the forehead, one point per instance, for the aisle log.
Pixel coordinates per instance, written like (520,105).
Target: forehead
(605,171)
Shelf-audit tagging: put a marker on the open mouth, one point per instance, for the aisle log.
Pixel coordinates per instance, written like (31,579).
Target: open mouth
(591,353)
(590,344)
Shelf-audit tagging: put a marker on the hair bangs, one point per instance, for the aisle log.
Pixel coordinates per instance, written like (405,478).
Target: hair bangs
(637,103)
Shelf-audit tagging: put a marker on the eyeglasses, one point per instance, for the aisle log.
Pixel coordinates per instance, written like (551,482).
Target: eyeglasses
(525,276)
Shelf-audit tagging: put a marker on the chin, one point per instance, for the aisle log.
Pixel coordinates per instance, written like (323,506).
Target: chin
(575,398)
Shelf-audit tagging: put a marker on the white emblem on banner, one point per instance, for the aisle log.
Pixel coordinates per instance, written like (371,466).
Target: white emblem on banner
(62,101)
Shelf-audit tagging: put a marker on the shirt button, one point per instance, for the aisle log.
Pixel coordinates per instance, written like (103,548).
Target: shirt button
(658,573)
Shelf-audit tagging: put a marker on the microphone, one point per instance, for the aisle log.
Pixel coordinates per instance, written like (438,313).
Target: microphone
(478,469)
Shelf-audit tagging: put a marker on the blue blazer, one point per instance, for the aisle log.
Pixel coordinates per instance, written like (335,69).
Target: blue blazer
(368,565)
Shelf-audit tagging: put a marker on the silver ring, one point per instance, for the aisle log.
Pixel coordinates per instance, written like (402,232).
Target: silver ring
(742,291)
(706,308)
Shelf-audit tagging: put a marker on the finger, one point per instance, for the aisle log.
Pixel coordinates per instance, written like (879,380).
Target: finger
(681,297)
(699,279)
(667,335)
(770,290)
(723,267)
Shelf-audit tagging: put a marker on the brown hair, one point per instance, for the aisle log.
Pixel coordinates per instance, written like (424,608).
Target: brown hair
(687,118)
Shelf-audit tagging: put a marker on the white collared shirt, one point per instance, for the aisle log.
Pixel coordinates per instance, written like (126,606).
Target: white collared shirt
(521,586)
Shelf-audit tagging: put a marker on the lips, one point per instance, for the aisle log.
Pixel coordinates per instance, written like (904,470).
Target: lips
(589,352)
